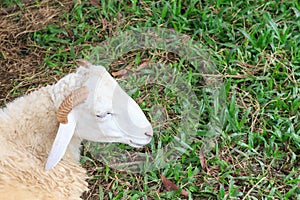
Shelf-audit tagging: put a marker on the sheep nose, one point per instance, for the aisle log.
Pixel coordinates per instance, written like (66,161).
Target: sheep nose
(149,134)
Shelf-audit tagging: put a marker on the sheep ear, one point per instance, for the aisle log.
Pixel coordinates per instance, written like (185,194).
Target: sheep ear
(61,142)
(67,125)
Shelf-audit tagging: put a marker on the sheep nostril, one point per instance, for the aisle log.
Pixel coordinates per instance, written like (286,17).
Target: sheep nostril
(149,134)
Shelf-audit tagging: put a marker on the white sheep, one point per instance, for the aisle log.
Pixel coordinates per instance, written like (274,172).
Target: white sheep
(41,133)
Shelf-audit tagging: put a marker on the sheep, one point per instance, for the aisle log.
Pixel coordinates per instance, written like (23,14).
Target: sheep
(41,133)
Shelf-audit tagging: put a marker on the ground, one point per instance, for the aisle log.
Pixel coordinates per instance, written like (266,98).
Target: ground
(255,47)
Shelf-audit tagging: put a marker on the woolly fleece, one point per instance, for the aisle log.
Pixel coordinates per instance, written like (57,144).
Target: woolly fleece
(28,127)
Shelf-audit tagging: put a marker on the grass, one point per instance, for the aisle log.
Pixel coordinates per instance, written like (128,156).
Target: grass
(255,46)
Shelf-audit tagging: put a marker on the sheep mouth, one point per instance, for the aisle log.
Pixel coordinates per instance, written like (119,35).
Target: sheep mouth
(136,145)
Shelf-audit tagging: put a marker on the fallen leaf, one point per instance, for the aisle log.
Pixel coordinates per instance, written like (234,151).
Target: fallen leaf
(128,67)
(168,184)
(171,186)
(143,65)
(119,73)
(203,161)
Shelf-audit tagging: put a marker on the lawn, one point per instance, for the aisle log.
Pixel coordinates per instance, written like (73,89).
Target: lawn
(219,81)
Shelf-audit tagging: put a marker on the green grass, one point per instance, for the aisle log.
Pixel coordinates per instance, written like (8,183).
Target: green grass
(255,45)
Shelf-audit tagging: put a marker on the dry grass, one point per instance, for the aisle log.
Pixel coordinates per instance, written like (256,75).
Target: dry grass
(22,61)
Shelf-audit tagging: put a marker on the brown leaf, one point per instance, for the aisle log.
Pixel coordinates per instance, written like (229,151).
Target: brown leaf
(184,193)
(143,65)
(95,3)
(168,184)
(203,161)
(171,186)
(128,67)
(119,73)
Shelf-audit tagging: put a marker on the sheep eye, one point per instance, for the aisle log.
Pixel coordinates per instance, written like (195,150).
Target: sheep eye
(103,115)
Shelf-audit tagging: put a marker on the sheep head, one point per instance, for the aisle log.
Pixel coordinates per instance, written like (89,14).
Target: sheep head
(100,111)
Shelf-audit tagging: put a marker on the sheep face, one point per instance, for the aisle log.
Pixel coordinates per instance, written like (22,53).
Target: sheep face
(99,111)
(113,115)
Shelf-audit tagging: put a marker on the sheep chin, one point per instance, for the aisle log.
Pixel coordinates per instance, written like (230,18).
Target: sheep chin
(137,145)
